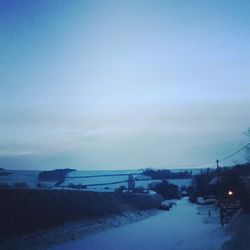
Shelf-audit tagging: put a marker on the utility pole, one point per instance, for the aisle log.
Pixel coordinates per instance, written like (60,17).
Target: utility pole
(217,163)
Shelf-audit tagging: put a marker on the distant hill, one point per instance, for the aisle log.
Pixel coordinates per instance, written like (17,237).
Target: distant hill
(57,175)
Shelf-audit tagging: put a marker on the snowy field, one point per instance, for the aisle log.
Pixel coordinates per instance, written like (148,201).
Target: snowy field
(184,227)
(31,179)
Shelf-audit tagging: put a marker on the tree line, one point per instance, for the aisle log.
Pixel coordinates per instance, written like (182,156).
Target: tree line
(161,174)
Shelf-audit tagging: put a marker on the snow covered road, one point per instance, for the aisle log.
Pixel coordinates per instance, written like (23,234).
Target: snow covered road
(179,229)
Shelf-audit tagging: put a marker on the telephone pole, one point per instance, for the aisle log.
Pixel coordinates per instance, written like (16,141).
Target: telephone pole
(217,164)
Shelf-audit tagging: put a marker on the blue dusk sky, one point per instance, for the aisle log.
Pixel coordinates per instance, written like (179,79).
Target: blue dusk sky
(123,84)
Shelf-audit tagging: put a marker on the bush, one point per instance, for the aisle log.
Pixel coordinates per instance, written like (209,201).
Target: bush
(29,209)
(21,185)
(4,185)
(140,190)
(120,189)
(77,186)
(166,190)
(141,201)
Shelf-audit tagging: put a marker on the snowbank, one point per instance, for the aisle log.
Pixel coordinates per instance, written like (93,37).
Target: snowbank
(239,229)
(43,239)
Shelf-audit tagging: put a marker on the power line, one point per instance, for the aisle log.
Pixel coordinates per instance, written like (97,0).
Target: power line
(229,156)
(102,175)
(236,152)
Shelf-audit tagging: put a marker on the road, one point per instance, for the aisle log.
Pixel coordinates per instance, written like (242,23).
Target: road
(182,228)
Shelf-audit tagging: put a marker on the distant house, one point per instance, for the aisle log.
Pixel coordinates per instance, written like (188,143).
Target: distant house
(214,181)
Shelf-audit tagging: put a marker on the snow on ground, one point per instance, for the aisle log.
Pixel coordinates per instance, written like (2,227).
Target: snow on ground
(43,239)
(184,227)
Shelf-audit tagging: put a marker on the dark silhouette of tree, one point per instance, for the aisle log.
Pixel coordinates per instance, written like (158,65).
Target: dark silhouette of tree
(167,190)
(161,174)
(235,179)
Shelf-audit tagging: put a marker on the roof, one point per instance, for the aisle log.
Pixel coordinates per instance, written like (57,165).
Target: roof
(214,181)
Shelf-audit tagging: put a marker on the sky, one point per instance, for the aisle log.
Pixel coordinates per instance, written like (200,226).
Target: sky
(123,84)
